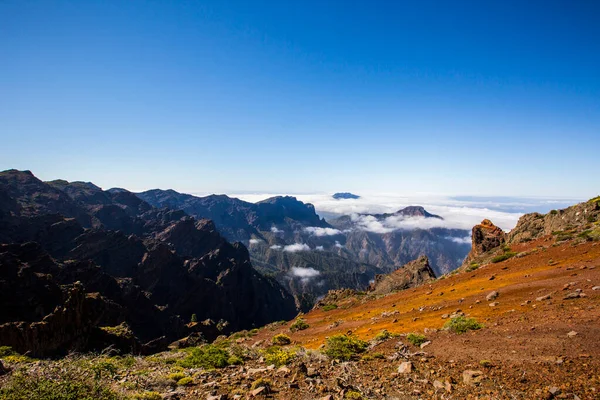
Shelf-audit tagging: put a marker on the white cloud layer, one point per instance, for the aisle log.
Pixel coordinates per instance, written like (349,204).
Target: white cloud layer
(275,247)
(274,229)
(461,240)
(255,241)
(292,248)
(313,230)
(458,213)
(304,272)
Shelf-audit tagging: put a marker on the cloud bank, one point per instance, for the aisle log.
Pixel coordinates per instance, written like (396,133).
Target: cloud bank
(255,241)
(313,230)
(304,272)
(458,212)
(292,248)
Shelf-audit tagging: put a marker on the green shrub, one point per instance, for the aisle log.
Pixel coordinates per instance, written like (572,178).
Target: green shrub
(503,257)
(261,382)
(472,267)
(329,307)
(19,387)
(194,318)
(553,212)
(485,363)
(299,325)
(235,360)
(416,339)
(6,351)
(104,368)
(281,340)
(207,356)
(383,335)
(278,356)
(185,381)
(148,396)
(353,395)
(344,347)
(462,324)
(176,376)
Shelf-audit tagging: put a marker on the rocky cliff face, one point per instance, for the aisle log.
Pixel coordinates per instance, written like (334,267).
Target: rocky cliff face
(153,273)
(491,244)
(338,254)
(485,237)
(412,274)
(575,218)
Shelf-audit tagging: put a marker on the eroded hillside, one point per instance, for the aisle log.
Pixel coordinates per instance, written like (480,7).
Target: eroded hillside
(522,326)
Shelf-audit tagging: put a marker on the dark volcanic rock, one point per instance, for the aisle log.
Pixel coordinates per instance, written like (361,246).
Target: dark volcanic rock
(102,259)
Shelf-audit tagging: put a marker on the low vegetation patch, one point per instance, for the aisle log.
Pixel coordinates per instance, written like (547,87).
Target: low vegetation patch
(329,307)
(261,382)
(121,330)
(281,339)
(472,267)
(20,386)
(384,335)
(207,356)
(462,324)
(416,339)
(176,376)
(503,257)
(353,395)
(278,356)
(299,325)
(9,355)
(344,347)
(148,396)
(185,381)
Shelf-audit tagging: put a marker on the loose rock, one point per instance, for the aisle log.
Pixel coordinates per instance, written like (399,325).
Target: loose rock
(492,296)
(471,377)
(405,367)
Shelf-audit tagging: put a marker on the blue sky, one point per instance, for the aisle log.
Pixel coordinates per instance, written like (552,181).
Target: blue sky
(456,98)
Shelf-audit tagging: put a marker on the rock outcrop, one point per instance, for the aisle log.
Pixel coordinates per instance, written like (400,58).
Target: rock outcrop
(413,274)
(485,237)
(575,218)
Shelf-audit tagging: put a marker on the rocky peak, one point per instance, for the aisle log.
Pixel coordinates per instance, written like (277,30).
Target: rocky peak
(345,196)
(485,237)
(416,211)
(412,274)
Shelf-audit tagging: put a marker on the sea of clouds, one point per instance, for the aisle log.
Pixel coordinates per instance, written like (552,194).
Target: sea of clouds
(457,212)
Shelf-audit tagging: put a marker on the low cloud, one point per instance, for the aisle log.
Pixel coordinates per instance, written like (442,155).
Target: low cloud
(458,212)
(396,222)
(313,230)
(275,230)
(304,272)
(460,240)
(275,247)
(292,248)
(255,241)
(338,245)
(319,248)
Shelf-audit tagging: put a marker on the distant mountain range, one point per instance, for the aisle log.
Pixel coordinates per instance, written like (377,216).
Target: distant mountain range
(86,259)
(308,255)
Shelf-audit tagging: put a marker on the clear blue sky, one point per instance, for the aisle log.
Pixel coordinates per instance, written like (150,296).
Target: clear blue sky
(480,98)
